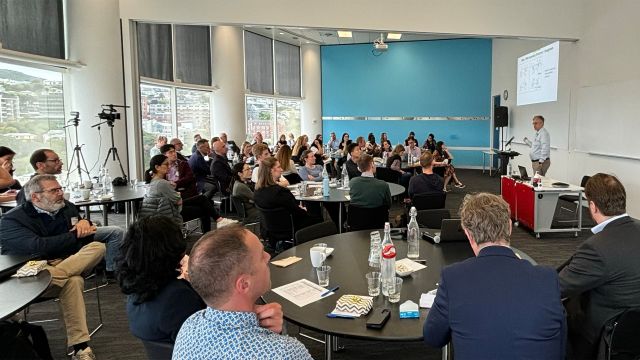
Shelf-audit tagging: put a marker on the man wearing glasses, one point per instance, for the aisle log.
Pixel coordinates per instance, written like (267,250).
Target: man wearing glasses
(50,228)
(47,162)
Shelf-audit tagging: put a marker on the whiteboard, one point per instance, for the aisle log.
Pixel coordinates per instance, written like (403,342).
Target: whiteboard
(608,119)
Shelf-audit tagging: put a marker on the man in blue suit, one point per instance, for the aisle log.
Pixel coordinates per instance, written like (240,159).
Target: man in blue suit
(496,306)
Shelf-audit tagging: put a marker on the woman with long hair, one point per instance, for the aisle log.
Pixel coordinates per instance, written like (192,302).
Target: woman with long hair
(394,162)
(8,185)
(430,143)
(300,146)
(443,158)
(284,157)
(151,271)
(310,171)
(386,149)
(372,147)
(383,137)
(242,188)
(246,156)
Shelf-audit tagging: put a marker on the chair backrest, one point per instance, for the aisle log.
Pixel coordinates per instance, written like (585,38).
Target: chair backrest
(429,200)
(624,338)
(360,218)
(439,170)
(238,204)
(584,180)
(432,218)
(157,350)
(159,205)
(316,231)
(278,224)
(387,174)
(293,178)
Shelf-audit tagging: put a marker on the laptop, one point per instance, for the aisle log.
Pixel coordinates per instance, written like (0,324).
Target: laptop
(450,231)
(523,173)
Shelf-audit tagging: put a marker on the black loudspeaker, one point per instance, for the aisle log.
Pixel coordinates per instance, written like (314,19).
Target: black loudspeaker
(500,116)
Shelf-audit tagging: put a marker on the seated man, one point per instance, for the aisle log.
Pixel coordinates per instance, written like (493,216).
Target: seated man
(352,168)
(427,182)
(155,150)
(602,278)
(199,163)
(51,229)
(220,168)
(229,269)
(47,162)
(367,191)
(178,145)
(496,306)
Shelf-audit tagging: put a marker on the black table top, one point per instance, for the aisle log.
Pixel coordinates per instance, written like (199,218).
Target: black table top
(349,264)
(120,194)
(17,293)
(9,264)
(337,194)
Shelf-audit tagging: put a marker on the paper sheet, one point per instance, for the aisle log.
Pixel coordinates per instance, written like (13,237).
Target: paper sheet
(286,261)
(301,292)
(426,300)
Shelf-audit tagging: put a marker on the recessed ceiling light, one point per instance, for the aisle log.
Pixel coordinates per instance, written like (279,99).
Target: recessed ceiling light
(344,34)
(394,36)
(281,33)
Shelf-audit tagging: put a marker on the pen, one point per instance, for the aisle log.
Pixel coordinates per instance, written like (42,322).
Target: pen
(330,315)
(329,291)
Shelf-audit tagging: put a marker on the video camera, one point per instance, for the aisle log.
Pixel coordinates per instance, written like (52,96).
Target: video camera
(109,113)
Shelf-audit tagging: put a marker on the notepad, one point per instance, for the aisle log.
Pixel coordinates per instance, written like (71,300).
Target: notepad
(286,261)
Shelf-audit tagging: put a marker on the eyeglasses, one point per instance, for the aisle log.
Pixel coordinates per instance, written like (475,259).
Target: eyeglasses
(52,191)
(56,160)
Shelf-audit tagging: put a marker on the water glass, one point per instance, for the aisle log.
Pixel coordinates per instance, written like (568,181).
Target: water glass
(323,275)
(373,283)
(134,183)
(394,291)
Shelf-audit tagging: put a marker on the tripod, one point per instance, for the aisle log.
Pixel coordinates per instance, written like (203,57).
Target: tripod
(113,151)
(77,150)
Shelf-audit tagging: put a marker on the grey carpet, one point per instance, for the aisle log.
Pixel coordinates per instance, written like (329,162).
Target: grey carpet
(114,341)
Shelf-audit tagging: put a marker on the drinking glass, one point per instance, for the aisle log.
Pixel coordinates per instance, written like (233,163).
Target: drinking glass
(373,282)
(394,291)
(323,275)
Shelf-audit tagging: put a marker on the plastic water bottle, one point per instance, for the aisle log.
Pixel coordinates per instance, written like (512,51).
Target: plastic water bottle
(413,231)
(388,266)
(345,176)
(325,182)
(107,186)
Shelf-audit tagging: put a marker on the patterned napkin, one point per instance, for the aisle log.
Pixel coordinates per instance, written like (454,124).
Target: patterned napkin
(355,305)
(31,268)
(287,261)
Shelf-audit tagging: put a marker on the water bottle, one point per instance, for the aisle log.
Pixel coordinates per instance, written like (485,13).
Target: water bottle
(413,231)
(388,266)
(509,171)
(374,249)
(107,186)
(325,182)
(345,177)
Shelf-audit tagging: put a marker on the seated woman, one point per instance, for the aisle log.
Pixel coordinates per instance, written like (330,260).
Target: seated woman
(301,145)
(430,143)
(386,149)
(372,147)
(7,182)
(443,158)
(270,195)
(310,171)
(241,187)
(394,162)
(289,170)
(163,199)
(246,156)
(149,266)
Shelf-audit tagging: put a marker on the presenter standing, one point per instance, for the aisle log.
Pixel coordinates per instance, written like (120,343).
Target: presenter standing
(540,147)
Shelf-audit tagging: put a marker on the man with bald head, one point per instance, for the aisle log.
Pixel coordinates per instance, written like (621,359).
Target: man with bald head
(220,168)
(178,145)
(229,269)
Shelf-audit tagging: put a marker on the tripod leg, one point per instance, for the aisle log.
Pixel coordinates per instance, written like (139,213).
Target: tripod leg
(115,152)
(71,162)
(107,158)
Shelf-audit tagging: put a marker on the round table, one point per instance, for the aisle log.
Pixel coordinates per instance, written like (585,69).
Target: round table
(17,293)
(121,194)
(336,195)
(349,264)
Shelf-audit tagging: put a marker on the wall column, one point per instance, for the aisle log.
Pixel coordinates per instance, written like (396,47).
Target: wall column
(311,121)
(228,75)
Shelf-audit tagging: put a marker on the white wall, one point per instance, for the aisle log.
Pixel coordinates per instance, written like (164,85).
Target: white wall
(94,39)
(608,52)
(311,119)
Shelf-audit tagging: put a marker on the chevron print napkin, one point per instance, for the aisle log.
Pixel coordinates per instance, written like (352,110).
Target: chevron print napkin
(354,305)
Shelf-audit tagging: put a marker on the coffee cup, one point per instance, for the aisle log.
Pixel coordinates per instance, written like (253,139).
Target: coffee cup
(87,184)
(86,194)
(318,255)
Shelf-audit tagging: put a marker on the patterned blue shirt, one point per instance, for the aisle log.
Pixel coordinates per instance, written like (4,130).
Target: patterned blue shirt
(215,334)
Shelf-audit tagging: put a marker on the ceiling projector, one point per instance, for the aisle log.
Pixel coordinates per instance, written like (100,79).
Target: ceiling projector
(380,46)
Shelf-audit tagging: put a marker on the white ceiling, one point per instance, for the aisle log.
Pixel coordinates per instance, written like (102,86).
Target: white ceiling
(300,36)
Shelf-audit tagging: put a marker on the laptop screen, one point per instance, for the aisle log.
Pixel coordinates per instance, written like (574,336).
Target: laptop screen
(523,172)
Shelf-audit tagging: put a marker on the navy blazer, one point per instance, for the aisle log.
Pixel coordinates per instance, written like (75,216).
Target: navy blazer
(497,306)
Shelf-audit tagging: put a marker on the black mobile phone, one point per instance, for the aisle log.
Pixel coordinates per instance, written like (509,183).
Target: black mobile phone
(378,318)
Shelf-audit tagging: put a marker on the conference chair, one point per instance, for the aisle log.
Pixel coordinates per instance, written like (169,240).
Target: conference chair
(360,218)
(278,227)
(222,198)
(574,198)
(239,205)
(621,336)
(316,231)
(157,350)
(387,174)
(432,218)
(429,200)
(293,178)
(440,170)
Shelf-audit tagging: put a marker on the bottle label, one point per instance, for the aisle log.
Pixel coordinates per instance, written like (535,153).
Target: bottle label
(389,251)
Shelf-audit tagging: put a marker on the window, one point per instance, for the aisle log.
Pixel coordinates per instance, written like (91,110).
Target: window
(32,114)
(173,112)
(272,117)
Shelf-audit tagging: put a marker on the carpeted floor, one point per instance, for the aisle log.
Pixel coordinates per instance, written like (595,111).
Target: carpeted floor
(114,341)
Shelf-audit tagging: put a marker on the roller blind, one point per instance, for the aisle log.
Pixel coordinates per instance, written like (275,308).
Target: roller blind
(287,65)
(258,61)
(155,56)
(193,54)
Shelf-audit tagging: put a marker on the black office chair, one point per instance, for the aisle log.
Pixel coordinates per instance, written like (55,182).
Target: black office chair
(432,218)
(239,205)
(440,170)
(157,350)
(387,174)
(223,198)
(316,231)
(621,336)
(278,228)
(574,198)
(359,218)
(429,201)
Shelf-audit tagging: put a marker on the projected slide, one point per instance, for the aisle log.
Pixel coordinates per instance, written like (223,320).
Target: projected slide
(538,75)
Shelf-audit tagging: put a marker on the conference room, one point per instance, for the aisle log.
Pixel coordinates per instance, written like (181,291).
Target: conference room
(131,71)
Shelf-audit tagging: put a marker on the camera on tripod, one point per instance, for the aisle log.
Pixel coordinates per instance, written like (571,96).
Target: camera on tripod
(109,113)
